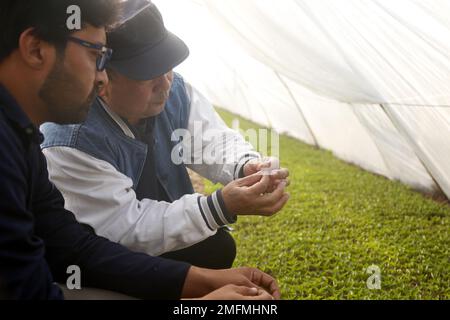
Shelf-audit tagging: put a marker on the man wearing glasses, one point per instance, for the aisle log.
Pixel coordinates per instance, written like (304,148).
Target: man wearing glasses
(119,161)
(104,53)
(48,73)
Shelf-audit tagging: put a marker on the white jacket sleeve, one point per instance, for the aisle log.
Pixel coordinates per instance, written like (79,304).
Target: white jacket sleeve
(103,198)
(209,133)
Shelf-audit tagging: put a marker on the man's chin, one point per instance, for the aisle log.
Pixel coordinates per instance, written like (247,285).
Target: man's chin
(72,117)
(83,115)
(159,112)
(83,112)
(158,108)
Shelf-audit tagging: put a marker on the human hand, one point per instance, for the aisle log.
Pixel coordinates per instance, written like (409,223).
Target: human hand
(233,292)
(200,282)
(254,195)
(269,166)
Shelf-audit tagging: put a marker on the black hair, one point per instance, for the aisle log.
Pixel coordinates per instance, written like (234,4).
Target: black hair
(48,18)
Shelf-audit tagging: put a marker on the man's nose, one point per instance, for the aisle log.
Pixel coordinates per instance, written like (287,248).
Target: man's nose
(164,83)
(101,79)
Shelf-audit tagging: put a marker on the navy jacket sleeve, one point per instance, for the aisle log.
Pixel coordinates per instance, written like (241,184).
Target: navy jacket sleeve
(103,264)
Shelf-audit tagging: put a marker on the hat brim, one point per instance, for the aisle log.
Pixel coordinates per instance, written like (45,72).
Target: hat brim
(154,62)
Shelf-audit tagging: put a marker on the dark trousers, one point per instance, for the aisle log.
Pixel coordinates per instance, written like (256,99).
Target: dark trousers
(216,252)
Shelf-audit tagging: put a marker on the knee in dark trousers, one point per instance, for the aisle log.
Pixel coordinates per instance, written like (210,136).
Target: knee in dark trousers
(216,252)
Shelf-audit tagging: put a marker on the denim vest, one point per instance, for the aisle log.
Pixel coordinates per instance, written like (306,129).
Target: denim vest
(100,137)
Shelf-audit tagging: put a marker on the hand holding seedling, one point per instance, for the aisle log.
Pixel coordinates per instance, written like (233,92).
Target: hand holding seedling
(261,192)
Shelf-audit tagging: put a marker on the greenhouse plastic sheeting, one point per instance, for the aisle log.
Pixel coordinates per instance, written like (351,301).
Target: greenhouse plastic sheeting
(367,79)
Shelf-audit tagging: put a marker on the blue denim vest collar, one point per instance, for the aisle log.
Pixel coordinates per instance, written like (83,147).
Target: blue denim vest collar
(101,137)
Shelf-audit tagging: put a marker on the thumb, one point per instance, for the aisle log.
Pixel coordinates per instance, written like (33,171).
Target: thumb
(262,165)
(262,295)
(247,291)
(250,180)
(262,186)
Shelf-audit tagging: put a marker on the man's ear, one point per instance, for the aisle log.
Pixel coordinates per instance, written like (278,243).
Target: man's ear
(35,53)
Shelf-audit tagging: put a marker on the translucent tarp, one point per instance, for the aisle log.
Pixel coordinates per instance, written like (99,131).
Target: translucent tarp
(367,79)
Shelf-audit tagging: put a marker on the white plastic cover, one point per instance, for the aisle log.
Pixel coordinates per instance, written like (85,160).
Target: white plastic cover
(367,79)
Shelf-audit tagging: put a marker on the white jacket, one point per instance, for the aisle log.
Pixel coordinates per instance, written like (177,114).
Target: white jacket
(103,197)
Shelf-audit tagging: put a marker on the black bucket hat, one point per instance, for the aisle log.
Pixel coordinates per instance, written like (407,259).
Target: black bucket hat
(143,48)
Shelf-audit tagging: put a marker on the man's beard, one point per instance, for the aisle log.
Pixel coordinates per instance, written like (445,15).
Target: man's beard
(60,92)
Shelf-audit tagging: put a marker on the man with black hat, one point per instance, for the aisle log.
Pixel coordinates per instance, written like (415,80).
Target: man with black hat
(117,170)
(51,73)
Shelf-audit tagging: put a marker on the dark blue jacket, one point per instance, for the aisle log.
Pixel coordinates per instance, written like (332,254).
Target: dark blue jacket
(39,239)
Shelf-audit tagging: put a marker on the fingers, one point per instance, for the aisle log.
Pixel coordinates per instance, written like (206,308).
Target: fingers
(276,176)
(265,165)
(279,205)
(250,180)
(262,295)
(288,182)
(262,165)
(281,174)
(274,163)
(251,293)
(266,282)
(272,210)
(256,165)
(270,199)
(247,291)
(270,203)
(250,168)
(275,184)
(260,187)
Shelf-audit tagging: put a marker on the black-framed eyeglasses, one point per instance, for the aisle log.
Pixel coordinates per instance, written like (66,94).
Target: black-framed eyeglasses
(106,53)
